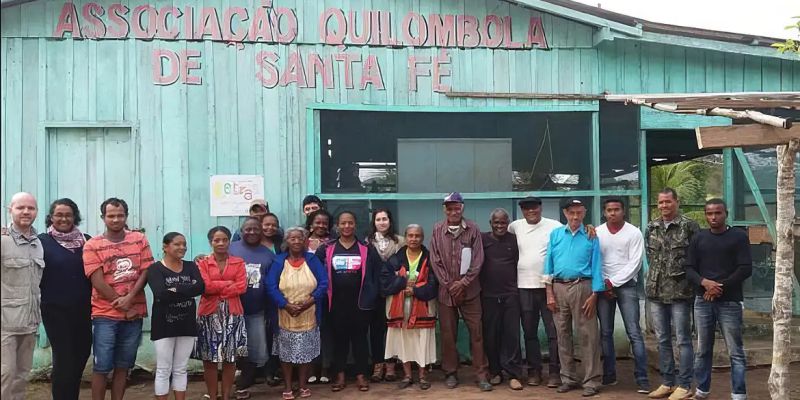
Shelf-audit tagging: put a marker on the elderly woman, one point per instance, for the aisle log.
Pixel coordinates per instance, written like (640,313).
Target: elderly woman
(297,283)
(221,332)
(410,287)
(66,298)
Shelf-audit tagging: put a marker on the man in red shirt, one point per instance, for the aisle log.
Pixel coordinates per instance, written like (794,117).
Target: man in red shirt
(116,262)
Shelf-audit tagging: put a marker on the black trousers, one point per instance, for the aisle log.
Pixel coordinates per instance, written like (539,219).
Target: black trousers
(534,305)
(349,329)
(69,329)
(377,334)
(501,335)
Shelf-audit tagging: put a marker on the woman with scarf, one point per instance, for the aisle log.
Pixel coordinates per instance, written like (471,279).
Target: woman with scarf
(411,288)
(66,298)
(353,270)
(384,238)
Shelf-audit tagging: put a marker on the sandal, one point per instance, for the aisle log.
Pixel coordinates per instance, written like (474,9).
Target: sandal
(363,384)
(287,396)
(338,386)
(406,382)
(390,374)
(377,373)
(424,384)
(305,392)
(242,394)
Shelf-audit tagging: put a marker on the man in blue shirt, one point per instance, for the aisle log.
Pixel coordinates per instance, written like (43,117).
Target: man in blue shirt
(573,277)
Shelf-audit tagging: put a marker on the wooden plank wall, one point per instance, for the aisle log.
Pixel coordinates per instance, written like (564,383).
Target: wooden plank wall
(232,125)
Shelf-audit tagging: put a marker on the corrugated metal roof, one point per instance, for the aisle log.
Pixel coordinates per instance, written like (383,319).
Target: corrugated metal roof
(626,20)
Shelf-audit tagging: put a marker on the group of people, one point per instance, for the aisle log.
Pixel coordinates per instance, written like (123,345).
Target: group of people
(306,298)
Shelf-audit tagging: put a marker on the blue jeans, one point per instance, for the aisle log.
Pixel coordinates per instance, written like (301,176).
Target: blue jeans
(665,316)
(256,326)
(628,302)
(729,316)
(115,343)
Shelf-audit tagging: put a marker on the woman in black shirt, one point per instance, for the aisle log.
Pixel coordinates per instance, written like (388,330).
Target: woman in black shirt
(174,282)
(353,269)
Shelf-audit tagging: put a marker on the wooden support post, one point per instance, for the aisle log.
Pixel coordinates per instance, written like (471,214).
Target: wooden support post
(717,137)
(784,274)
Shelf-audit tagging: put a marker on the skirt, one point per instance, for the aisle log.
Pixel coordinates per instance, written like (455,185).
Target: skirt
(411,345)
(296,347)
(221,337)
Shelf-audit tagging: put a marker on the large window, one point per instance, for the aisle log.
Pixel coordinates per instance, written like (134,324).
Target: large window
(398,152)
(619,146)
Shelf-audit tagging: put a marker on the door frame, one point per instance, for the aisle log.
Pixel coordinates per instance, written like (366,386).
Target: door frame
(43,143)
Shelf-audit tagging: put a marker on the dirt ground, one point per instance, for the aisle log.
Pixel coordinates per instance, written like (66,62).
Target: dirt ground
(141,388)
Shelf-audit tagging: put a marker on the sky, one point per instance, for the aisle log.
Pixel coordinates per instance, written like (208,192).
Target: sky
(762,17)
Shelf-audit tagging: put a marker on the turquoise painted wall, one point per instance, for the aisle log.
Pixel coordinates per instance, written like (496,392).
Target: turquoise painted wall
(179,135)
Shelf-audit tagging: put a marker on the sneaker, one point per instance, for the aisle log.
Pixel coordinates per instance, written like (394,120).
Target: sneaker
(643,388)
(554,382)
(699,394)
(680,394)
(485,386)
(662,392)
(535,378)
(496,380)
(566,387)
(590,391)
(451,381)
(515,384)
(610,382)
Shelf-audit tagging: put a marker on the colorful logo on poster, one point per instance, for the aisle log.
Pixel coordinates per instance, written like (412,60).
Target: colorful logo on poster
(231,194)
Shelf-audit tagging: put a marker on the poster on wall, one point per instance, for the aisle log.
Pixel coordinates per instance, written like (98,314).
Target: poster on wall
(231,195)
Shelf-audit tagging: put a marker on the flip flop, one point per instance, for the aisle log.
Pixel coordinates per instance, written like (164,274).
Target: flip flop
(287,396)
(305,392)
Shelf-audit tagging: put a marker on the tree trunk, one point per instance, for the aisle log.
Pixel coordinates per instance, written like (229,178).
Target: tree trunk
(784,268)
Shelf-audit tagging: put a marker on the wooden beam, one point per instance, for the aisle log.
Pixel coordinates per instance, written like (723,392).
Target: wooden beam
(518,95)
(717,137)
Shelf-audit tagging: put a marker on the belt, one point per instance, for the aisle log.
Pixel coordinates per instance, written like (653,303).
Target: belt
(573,280)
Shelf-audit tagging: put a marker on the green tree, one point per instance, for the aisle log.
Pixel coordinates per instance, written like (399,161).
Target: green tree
(791,45)
(691,180)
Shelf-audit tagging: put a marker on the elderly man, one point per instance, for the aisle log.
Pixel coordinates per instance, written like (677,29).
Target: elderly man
(22,267)
(573,274)
(456,257)
(533,235)
(717,265)
(669,293)
(500,301)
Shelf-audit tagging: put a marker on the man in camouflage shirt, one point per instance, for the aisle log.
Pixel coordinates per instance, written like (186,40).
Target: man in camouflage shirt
(670,294)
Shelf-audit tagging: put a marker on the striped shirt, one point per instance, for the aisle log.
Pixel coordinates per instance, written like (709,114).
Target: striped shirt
(122,264)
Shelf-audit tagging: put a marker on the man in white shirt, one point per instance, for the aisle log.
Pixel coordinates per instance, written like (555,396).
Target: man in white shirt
(533,235)
(621,247)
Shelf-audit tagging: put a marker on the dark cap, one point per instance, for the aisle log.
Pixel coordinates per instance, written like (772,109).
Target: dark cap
(572,201)
(530,201)
(454,197)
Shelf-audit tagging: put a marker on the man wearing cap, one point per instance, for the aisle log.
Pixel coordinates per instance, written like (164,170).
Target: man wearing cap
(573,278)
(258,208)
(456,257)
(533,235)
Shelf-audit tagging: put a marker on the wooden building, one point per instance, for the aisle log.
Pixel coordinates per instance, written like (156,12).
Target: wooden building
(366,103)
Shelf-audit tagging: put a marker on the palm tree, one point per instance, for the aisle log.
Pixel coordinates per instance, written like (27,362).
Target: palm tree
(691,180)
